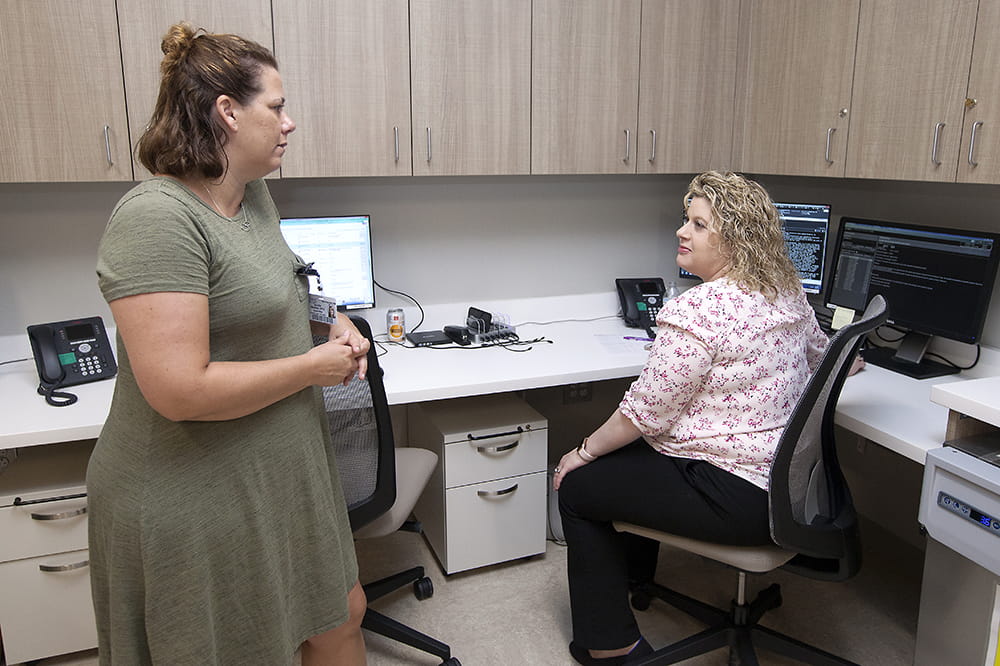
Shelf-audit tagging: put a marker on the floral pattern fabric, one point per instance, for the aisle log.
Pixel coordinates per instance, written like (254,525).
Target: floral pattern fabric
(723,376)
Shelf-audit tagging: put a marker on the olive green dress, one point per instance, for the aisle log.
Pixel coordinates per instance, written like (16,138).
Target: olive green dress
(223,542)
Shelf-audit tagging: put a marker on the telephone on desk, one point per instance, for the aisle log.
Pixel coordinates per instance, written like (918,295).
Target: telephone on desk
(68,353)
(641,299)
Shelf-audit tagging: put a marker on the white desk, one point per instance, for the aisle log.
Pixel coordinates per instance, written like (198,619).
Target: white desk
(887,408)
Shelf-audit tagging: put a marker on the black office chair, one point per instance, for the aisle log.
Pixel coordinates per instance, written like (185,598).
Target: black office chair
(812,520)
(381,484)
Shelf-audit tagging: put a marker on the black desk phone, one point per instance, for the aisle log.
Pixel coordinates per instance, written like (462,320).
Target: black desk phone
(68,353)
(641,299)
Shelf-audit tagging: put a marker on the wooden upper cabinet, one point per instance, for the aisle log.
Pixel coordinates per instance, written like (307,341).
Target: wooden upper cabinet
(910,82)
(143,26)
(687,85)
(979,159)
(793,108)
(62,114)
(585,86)
(471,86)
(345,66)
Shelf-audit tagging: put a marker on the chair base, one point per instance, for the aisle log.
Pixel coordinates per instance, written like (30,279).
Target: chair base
(736,628)
(386,626)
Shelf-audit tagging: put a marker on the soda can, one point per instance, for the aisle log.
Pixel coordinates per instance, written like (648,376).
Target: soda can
(395,324)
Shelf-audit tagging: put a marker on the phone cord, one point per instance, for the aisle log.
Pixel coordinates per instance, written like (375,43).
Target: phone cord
(51,395)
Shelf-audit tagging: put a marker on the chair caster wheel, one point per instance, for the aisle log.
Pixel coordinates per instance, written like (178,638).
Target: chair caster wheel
(451,661)
(423,589)
(640,600)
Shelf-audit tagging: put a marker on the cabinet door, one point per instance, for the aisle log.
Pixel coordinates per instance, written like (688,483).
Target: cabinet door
(471,86)
(686,85)
(794,94)
(62,115)
(910,82)
(143,25)
(979,162)
(345,66)
(584,86)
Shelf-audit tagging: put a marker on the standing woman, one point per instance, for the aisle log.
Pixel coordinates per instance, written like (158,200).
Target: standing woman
(218,533)
(690,447)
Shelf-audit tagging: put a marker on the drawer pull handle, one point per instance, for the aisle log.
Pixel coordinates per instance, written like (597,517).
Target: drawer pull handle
(498,449)
(56,568)
(497,493)
(22,502)
(61,515)
(474,438)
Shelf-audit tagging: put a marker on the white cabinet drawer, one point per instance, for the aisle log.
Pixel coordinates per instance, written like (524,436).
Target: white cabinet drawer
(494,458)
(40,529)
(45,613)
(494,522)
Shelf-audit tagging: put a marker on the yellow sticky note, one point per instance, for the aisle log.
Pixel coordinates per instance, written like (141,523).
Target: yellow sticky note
(841,318)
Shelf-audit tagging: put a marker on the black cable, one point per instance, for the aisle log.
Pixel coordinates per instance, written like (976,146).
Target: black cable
(405,295)
(979,349)
(15,360)
(54,397)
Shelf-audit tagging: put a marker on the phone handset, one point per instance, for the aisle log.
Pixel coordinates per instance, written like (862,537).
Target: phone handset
(50,371)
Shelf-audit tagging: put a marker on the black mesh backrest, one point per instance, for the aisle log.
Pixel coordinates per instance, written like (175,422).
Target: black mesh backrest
(811,511)
(363,450)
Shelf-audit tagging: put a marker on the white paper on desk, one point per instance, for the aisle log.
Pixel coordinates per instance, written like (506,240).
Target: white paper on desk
(616,344)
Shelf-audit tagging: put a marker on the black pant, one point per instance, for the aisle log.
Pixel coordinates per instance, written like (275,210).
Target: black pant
(639,485)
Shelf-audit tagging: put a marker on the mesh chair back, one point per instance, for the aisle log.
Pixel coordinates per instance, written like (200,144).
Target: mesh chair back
(811,511)
(362,447)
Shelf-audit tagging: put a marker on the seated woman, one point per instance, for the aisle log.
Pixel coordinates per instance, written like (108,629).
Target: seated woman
(690,447)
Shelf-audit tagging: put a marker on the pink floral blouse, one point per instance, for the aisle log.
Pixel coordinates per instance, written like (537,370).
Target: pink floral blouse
(723,376)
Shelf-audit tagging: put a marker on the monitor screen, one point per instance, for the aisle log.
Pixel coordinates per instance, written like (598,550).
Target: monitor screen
(805,227)
(340,249)
(935,281)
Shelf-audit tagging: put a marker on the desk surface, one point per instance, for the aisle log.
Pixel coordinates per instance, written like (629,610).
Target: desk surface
(885,407)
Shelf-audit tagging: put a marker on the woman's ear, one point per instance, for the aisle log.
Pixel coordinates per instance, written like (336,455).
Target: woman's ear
(225,108)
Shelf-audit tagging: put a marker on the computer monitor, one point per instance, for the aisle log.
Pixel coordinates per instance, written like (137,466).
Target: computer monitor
(340,249)
(805,227)
(935,281)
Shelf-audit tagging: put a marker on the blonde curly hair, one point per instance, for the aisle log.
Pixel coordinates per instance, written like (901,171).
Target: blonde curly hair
(749,230)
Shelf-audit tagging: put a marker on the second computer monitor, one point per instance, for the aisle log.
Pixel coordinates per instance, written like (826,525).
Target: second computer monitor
(806,227)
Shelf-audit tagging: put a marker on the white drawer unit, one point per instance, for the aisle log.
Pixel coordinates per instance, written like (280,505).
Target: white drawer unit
(45,603)
(485,502)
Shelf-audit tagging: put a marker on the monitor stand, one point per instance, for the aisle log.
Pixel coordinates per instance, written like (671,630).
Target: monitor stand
(909,359)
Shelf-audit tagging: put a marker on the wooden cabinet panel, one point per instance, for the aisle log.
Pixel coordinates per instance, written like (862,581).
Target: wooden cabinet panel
(143,25)
(687,85)
(794,92)
(585,86)
(980,163)
(62,116)
(909,88)
(346,70)
(471,86)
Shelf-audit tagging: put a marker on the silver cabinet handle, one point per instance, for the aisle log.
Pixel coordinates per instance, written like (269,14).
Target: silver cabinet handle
(972,143)
(652,145)
(428,144)
(395,142)
(934,147)
(628,141)
(54,568)
(107,144)
(61,515)
(829,136)
(497,493)
(499,448)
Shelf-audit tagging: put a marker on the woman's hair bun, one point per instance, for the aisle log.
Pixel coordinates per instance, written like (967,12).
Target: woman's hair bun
(176,43)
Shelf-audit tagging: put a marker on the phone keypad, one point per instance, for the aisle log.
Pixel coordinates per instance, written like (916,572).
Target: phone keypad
(89,366)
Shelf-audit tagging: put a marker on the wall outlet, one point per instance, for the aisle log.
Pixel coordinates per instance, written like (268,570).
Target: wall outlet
(573,393)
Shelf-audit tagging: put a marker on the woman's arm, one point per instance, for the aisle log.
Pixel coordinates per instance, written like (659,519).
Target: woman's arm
(172,366)
(615,433)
